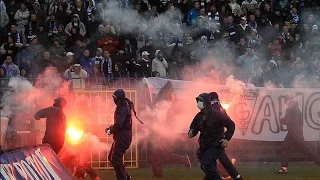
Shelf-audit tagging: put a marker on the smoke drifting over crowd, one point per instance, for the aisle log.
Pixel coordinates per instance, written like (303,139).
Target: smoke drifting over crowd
(161,118)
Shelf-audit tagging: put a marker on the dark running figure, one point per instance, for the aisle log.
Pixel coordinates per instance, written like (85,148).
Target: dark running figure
(55,125)
(213,138)
(122,133)
(294,122)
(215,104)
(162,152)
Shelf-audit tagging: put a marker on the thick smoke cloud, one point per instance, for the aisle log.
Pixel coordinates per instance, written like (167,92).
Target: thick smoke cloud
(25,98)
(213,69)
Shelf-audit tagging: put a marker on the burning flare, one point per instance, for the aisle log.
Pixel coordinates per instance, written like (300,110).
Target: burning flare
(74,134)
(225,106)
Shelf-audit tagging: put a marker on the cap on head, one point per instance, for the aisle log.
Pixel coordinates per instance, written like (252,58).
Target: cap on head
(119,94)
(69,54)
(145,53)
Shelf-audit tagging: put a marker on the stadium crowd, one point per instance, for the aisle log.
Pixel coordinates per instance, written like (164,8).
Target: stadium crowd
(257,41)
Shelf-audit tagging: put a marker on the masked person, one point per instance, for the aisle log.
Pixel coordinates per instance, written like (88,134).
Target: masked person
(213,138)
(122,133)
(162,152)
(215,104)
(55,125)
(294,122)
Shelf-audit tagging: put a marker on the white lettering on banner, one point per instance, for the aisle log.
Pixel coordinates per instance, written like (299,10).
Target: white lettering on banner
(29,170)
(33,160)
(24,168)
(256,112)
(267,112)
(20,170)
(7,172)
(47,165)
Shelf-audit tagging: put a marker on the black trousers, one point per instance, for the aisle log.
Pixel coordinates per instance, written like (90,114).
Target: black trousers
(296,139)
(222,171)
(115,156)
(209,157)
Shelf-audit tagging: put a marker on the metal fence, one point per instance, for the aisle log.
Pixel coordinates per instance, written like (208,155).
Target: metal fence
(103,113)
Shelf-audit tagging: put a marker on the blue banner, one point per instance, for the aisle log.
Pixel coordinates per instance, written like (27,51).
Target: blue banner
(32,163)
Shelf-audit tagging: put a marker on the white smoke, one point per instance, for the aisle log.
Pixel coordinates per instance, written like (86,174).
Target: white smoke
(13,98)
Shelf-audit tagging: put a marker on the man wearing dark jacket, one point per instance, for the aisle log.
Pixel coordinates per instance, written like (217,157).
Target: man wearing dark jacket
(122,133)
(215,104)
(294,122)
(56,124)
(213,139)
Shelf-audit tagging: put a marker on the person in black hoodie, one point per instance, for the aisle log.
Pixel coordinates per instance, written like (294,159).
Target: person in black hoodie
(294,121)
(122,133)
(215,104)
(56,124)
(213,139)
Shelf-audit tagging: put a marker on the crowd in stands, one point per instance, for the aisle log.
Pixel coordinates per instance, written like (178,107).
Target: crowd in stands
(257,41)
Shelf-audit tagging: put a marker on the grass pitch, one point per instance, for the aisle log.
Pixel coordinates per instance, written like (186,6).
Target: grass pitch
(249,172)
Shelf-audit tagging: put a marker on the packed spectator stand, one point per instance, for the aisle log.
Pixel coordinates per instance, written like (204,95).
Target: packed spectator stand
(257,41)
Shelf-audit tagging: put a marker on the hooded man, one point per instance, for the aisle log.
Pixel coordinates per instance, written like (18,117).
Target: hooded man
(76,23)
(122,133)
(159,64)
(215,104)
(294,122)
(56,124)
(213,138)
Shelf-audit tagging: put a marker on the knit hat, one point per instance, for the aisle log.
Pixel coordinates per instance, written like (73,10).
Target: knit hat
(274,63)
(157,52)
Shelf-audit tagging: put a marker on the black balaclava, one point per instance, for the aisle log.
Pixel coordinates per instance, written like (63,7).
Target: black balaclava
(119,97)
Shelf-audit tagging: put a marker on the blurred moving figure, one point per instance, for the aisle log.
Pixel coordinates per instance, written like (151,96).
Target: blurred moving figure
(294,122)
(163,151)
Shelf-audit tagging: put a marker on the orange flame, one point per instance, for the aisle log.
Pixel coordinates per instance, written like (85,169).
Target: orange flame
(74,134)
(225,106)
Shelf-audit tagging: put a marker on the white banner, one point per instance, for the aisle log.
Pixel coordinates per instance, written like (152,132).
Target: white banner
(256,111)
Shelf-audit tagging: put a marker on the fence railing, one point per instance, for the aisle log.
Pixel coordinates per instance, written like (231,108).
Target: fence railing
(130,81)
